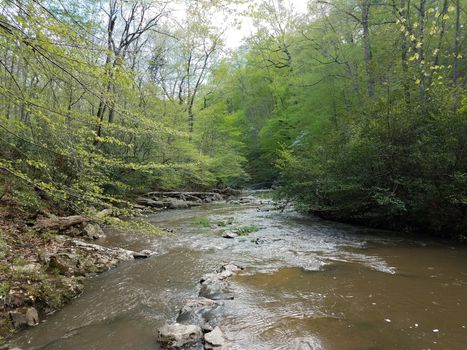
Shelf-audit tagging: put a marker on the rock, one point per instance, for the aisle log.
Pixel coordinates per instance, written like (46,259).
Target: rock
(230,235)
(142,254)
(148,202)
(93,231)
(65,263)
(229,269)
(210,278)
(174,203)
(32,317)
(215,290)
(214,339)
(201,311)
(177,335)
(24,317)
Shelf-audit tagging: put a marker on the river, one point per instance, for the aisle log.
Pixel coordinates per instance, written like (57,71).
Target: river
(307,284)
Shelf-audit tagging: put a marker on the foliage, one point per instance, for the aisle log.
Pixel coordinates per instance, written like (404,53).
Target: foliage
(358,110)
(82,124)
(246,230)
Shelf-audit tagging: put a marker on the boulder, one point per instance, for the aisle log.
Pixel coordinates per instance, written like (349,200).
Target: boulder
(228,270)
(148,202)
(24,317)
(201,311)
(174,203)
(64,263)
(215,290)
(176,335)
(93,231)
(230,235)
(214,339)
(142,254)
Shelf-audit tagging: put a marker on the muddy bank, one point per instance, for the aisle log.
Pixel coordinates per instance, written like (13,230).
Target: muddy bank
(42,271)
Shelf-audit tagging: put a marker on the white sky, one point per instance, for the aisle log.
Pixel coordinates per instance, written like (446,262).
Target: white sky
(235,36)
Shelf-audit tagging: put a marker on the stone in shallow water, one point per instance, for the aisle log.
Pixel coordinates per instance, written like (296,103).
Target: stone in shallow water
(142,254)
(177,335)
(214,339)
(230,234)
(216,290)
(24,317)
(201,311)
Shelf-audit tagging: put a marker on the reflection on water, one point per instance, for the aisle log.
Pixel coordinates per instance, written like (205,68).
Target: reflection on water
(307,284)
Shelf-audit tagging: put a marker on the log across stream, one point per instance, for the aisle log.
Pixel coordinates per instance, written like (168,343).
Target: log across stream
(306,284)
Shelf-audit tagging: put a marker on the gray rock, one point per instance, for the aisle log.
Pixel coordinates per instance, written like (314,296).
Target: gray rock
(148,202)
(229,269)
(24,317)
(201,311)
(32,317)
(177,335)
(63,263)
(215,290)
(214,339)
(142,254)
(93,231)
(174,203)
(230,234)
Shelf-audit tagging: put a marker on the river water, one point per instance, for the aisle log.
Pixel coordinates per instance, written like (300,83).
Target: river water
(307,284)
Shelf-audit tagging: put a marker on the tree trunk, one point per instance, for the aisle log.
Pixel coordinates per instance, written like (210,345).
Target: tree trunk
(404,53)
(455,65)
(367,54)
(421,55)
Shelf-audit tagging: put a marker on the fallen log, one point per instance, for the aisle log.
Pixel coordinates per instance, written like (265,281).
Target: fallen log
(61,223)
(178,194)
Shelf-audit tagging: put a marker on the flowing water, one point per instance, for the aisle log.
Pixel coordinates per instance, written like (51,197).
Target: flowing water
(307,284)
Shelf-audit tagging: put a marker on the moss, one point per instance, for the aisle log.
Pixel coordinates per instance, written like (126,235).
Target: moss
(246,230)
(203,222)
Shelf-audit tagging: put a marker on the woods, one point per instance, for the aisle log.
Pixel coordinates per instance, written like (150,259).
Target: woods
(98,102)
(356,110)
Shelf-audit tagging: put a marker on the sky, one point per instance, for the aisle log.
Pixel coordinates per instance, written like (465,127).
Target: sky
(235,36)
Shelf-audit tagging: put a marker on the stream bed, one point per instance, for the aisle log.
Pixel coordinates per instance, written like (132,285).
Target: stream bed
(307,284)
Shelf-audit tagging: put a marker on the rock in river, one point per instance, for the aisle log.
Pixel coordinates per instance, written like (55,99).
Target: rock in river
(201,311)
(215,339)
(176,336)
(24,317)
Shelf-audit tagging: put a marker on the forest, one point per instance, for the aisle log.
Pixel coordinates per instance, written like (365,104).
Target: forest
(354,110)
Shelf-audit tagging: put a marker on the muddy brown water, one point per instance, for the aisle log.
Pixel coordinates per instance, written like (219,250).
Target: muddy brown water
(307,284)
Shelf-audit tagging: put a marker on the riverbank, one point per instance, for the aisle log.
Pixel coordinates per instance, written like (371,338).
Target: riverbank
(42,270)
